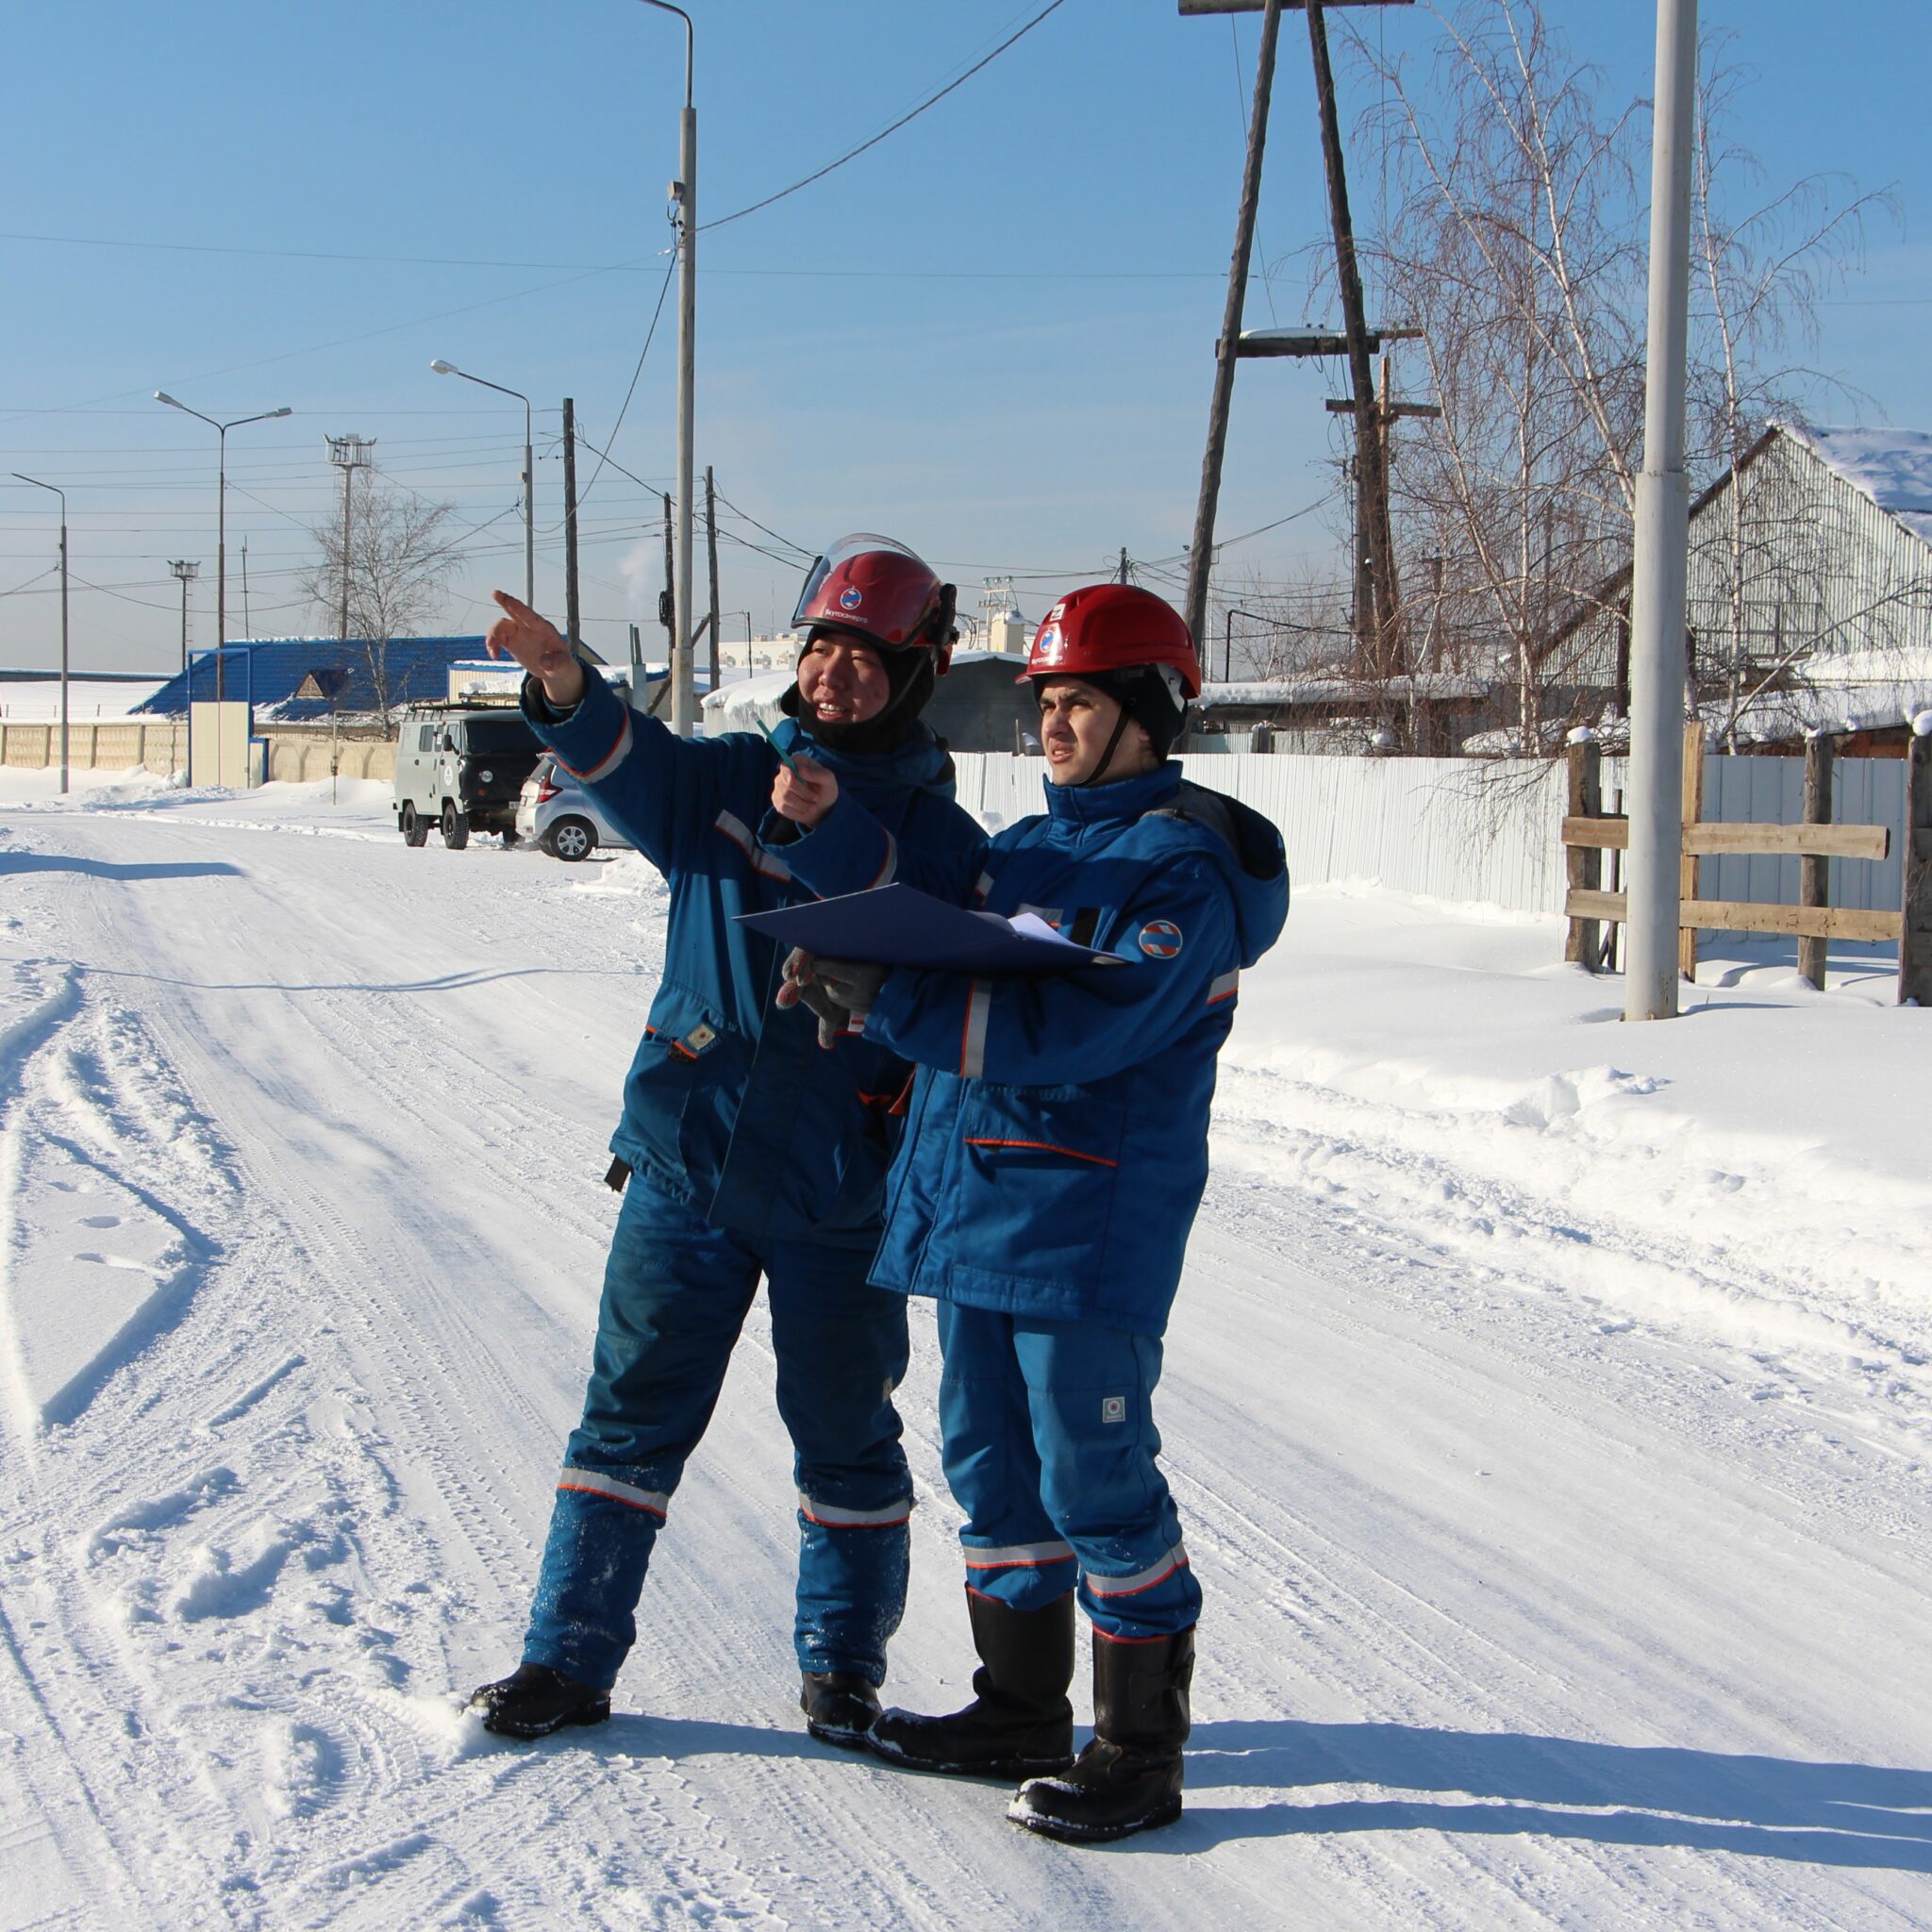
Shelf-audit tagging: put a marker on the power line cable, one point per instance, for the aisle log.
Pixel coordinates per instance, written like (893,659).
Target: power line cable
(650,334)
(853,154)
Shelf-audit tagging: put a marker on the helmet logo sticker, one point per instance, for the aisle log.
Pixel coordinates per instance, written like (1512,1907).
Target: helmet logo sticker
(1161,939)
(1054,615)
(851,598)
(1049,647)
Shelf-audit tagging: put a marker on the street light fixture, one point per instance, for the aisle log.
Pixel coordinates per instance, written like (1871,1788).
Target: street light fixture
(221,431)
(443,368)
(62,495)
(684,194)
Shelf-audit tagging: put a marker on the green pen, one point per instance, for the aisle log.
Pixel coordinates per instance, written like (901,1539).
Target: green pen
(785,758)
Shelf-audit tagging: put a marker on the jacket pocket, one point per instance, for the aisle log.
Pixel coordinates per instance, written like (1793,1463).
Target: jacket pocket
(681,1098)
(1038,1181)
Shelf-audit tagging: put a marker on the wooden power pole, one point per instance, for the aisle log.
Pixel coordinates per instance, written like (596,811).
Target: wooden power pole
(712,552)
(1355,342)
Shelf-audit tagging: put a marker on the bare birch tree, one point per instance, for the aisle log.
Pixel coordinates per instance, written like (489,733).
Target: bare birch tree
(400,554)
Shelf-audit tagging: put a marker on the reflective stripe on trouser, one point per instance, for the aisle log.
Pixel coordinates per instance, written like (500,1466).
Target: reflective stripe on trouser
(1050,1450)
(675,1295)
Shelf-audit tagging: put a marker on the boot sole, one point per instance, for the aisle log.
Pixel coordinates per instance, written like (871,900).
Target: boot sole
(1001,1770)
(844,1740)
(1044,1826)
(528,1733)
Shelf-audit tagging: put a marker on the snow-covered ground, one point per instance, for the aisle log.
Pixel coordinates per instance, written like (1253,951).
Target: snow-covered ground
(1550,1404)
(38,700)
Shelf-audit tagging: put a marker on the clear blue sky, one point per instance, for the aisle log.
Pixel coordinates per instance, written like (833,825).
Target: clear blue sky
(990,336)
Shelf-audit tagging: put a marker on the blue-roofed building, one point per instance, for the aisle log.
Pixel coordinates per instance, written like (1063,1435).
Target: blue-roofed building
(272,673)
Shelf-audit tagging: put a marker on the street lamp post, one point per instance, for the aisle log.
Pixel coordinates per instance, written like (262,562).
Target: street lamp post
(684,194)
(62,495)
(221,431)
(443,368)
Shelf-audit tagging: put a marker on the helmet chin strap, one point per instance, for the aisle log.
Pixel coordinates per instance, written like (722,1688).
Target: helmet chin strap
(1120,725)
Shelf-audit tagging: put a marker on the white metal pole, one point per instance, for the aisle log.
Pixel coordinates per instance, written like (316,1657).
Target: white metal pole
(683,706)
(63,644)
(1656,788)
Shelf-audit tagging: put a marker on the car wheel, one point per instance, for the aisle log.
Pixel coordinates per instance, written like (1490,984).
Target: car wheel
(456,827)
(415,829)
(570,839)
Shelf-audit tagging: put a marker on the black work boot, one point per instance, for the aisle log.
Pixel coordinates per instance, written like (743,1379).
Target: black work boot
(1128,1778)
(1018,1720)
(839,1707)
(534,1700)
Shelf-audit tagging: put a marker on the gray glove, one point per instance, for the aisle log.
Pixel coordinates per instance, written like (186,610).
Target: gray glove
(839,992)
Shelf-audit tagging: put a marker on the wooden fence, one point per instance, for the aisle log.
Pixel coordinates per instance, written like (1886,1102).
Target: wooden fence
(1589,833)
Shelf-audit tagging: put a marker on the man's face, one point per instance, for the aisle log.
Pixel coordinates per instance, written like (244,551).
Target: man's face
(1076,719)
(841,680)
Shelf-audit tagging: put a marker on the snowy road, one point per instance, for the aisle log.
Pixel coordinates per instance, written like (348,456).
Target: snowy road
(1565,1558)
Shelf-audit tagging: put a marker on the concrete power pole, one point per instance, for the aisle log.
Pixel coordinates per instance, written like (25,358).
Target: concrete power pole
(570,609)
(711,553)
(1660,567)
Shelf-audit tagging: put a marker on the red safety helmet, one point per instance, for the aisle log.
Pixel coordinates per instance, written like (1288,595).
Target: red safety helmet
(878,590)
(1114,628)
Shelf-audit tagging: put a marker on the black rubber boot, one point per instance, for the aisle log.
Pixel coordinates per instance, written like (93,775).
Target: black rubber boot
(1019,1721)
(1128,1778)
(839,1707)
(534,1700)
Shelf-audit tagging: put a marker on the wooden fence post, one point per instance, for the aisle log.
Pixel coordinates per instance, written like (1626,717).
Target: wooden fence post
(1814,873)
(1915,854)
(1583,866)
(1693,811)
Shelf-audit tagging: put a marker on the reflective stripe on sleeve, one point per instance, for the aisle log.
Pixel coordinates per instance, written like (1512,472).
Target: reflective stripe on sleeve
(973,1036)
(983,884)
(889,871)
(591,1482)
(1225,988)
(831,1517)
(1018,1556)
(769,863)
(611,759)
(1142,1579)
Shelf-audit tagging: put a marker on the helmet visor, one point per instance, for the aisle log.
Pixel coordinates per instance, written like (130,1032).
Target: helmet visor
(856,545)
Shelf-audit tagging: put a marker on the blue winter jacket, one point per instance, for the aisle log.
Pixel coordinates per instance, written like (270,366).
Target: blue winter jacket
(1058,1141)
(730,1104)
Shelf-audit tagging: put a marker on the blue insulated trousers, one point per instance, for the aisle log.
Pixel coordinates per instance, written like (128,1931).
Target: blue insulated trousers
(1050,1449)
(675,1295)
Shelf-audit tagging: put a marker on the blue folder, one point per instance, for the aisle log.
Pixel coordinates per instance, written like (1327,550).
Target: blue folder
(896,926)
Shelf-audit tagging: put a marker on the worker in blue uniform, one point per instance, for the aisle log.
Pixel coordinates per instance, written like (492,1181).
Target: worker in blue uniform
(1055,1156)
(748,1152)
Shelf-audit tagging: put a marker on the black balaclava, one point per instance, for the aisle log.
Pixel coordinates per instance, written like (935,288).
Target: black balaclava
(1144,696)
(910,675)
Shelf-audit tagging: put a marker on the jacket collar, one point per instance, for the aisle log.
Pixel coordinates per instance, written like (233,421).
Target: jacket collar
(1119,803)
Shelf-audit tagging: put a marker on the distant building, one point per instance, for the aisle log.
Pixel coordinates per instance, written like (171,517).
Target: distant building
(273,672)
(1809,594)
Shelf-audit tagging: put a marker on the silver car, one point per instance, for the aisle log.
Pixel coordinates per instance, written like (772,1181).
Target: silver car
(561,816)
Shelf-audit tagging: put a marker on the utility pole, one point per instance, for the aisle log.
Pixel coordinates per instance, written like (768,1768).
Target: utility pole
(570,613)
(348,454)
(1201,552)
(186,572)
(1124,578)
(1359,344)
(667,602)
(1370,468)
(712,551)
(1659,570)
(246,625)
(54,489)
(684,201)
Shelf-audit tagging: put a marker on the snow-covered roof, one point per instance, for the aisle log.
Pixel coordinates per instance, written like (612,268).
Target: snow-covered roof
(1893,467)
(1429,686)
